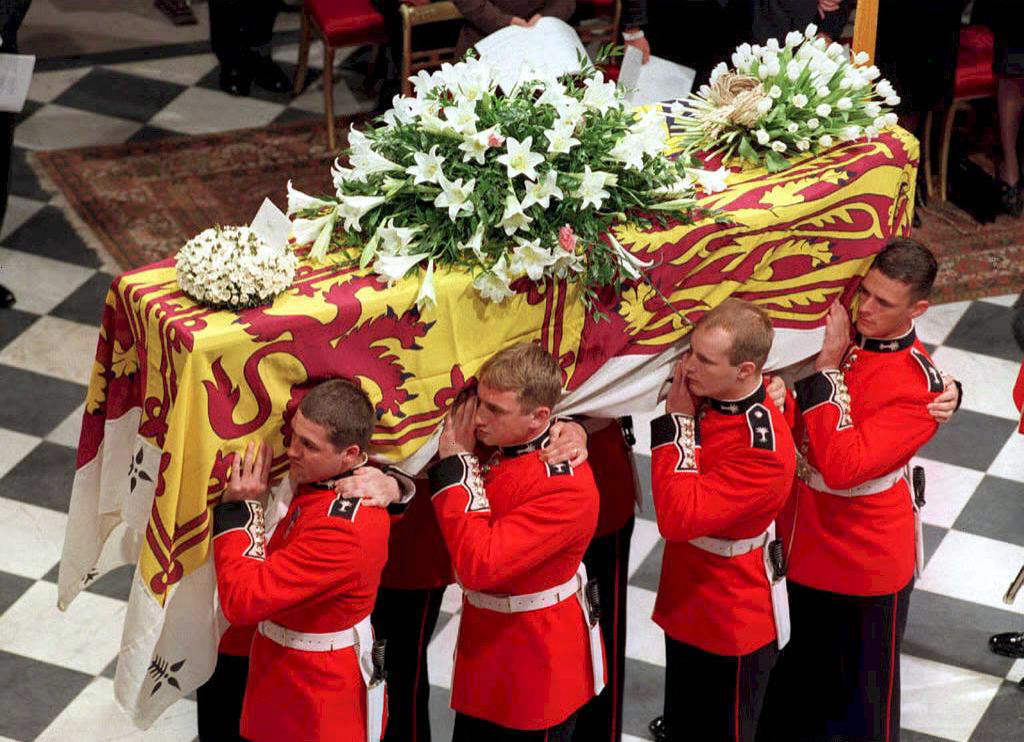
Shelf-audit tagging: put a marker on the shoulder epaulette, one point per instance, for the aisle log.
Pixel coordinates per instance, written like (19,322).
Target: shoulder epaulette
(344,507)
(931,373)
(762,431)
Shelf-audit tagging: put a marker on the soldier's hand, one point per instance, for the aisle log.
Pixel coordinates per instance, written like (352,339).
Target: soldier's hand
(567,442)
(459,433)
(776,391)
(837,337)
(371,485)
(679,397)
(943,406)
(250,474)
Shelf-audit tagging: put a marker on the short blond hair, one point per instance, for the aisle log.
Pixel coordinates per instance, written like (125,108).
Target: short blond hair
(527,369)
(749,326)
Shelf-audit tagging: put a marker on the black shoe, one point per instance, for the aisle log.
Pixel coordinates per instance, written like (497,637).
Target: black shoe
(657,729)
(268,75)
(1008,644)
(6,297)
(235,81)
(1011,198)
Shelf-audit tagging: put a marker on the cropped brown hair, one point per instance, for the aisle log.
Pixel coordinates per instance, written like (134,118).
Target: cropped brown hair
(749,326)
(342,408)
(908,261)
(528,369)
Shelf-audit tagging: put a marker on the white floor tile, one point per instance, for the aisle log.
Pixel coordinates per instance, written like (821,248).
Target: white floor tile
(645,641)
(345,101)
(1006,300)
(85,638)
(52,281)
(33,349)
(1009,464)
(972,568)
(56,127)
(949,488)
(67,433)
(934,325)
(645,538)
(19,211)
(32,538)
(46,86)
(94,715)
(1016,672)
(441,653)
(202,111)
(182,70)
(942,700)
(13,448)
(987,381)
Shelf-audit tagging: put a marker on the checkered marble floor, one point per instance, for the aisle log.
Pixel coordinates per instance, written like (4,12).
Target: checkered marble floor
(56,669)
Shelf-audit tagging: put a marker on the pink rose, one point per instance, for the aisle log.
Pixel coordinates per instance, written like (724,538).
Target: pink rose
(566,238)
(495,140)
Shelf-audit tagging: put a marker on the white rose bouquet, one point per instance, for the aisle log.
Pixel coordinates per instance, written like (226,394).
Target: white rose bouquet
(504,186)
(233,268)
(780,102)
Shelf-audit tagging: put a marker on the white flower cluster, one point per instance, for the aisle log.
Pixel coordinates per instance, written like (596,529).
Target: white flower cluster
(233,268)
(460,174)
(811,95)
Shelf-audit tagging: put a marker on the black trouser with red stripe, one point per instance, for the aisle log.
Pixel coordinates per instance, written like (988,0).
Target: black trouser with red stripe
(712,697)
(472,729)
(607,561)
(406,619)
(839,676)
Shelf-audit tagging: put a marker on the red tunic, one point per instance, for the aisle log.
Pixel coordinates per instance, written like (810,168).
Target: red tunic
(724,475)
(609,458)
(522,529)
(417,556)
(1018,397)
(859,423)
(319,574)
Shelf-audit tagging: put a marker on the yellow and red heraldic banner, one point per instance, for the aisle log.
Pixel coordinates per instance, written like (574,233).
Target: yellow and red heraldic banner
(176,388)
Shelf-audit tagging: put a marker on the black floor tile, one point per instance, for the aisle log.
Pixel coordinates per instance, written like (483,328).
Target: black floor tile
(152,133)
(33,693)
(30,107)
(120,95)
(970,439)
(955,632)
(117,583)
(643,472)
(996,510)
(211,81)
(43,478)
(12,587)
(110,670)
(49,234)
(645,689)
(1003,720)
(24,182)
(85,304)
(33,403)
(13,322)
(294,115)
(649,571)
(985,328)
(442,718)
(933,536)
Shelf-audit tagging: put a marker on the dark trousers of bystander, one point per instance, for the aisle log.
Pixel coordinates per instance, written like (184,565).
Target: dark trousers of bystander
(843,664)
(237,27)
(471,729)
(219,700)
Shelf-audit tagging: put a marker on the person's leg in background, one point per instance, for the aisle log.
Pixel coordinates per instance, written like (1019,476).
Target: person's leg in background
(12,13)
(226,40)
(257,32)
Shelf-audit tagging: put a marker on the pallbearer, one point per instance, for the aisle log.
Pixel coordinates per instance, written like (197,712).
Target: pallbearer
(722,466)
(529,651)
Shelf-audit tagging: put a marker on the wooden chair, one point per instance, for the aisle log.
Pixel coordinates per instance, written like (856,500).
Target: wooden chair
(337,23)
(419,14)
(974,80)
(601,21)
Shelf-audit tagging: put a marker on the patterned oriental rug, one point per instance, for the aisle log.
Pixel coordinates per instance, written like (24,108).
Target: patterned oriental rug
(141,201)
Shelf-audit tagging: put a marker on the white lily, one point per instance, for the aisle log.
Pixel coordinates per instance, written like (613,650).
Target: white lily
(463,117)
(423,82)
(591,190)
(323,241)
(629,151)
(554,93)
(515,216)
(353,208)
(712,181)
(600,95)
(493,284)
(560,138)
(391,268)
(629,262)
(426,298)
(299,201)
(475,145)
(305,231)
(475,243)
(427,168)
(519,159)
(396,239)
(364,158)
(455,197)
(542,191)
(571,108)
(530,259)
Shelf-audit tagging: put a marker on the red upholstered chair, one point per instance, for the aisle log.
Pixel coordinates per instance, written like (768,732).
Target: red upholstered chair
(599,20)
(974,79)
(338,23)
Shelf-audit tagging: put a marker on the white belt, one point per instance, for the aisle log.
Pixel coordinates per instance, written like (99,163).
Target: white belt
(361,637)
(813,479)
(571,588)
(780,596)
